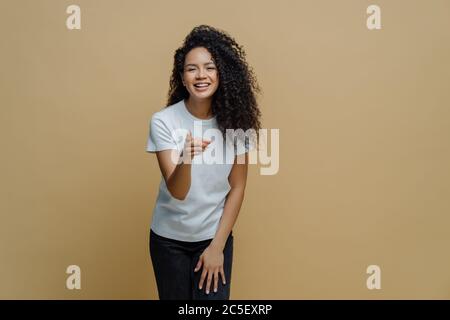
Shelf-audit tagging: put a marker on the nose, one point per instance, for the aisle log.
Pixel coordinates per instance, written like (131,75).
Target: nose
(200,73)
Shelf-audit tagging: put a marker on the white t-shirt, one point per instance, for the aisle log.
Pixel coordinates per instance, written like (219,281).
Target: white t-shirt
(197,217)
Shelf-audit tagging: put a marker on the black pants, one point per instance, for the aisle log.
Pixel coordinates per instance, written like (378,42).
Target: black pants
(174,262)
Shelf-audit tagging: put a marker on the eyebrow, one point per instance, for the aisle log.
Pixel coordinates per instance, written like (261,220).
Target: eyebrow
(194,65)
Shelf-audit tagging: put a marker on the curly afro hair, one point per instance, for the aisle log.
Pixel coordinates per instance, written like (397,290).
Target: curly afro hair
(234,102)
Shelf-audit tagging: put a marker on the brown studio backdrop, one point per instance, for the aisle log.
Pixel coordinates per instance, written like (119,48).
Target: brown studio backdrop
(364,152)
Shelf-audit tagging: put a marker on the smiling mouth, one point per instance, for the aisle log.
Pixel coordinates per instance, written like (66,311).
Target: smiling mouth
(201,85)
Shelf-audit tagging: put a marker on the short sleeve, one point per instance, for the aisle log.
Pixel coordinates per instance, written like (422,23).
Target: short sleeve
(160,136)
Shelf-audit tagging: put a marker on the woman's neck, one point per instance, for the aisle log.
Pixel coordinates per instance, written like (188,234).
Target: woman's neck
(199,108)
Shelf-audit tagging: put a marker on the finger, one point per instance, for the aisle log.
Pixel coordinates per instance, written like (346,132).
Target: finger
(187,144)
(188,137)
(216,280)
(197,148)
(208,282)
(222,273)
(197,143)
(202,278)
(199,265)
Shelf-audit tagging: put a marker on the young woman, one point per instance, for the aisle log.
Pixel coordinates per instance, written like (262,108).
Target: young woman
(191,240)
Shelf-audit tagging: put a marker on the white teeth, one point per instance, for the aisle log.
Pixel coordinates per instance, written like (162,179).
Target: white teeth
(201,85)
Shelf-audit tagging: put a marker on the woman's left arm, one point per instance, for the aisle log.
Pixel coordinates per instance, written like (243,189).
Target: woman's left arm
(237,180)
(212,257)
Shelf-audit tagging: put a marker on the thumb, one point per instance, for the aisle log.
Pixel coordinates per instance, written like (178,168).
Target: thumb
(199,264)
(188,138)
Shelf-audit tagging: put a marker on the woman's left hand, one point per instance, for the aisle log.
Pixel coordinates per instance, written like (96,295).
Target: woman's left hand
(212,261)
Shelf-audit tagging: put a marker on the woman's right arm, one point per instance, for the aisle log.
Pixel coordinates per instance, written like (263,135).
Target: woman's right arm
(176,173)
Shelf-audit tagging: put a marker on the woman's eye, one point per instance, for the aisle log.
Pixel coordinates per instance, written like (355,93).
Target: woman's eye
(211,68)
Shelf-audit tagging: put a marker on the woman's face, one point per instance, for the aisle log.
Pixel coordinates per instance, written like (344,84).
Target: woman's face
(200,76)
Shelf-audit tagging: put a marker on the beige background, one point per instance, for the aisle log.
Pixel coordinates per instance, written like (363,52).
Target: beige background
(364,162)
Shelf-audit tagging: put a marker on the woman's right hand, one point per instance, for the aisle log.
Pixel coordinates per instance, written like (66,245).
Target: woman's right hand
(193,147)
(175,173)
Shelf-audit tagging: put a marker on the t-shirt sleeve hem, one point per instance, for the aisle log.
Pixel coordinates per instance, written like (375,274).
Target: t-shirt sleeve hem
(154,149)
